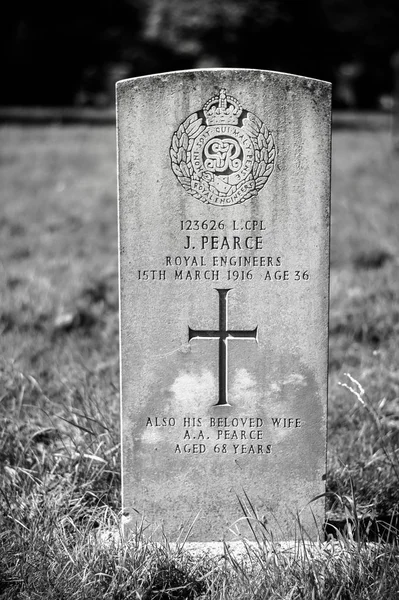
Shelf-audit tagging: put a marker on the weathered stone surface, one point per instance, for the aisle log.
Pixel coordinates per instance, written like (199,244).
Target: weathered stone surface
(224,189)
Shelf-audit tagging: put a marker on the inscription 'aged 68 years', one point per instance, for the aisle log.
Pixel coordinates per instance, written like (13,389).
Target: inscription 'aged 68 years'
(224,230)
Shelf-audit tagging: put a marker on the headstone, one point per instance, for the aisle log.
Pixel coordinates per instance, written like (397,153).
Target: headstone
(224,190)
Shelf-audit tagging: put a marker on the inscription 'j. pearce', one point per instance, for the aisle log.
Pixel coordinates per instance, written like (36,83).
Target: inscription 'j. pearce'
(222,154)
(223,334)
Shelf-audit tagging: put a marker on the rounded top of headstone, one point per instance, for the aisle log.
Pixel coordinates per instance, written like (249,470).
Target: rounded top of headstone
(229,70)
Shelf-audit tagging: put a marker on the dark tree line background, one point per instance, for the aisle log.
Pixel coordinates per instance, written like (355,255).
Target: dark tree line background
(72,53)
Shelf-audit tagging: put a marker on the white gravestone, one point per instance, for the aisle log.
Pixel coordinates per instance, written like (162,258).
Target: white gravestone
(224,195)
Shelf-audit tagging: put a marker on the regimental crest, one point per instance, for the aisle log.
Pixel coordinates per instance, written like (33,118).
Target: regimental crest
(222,154)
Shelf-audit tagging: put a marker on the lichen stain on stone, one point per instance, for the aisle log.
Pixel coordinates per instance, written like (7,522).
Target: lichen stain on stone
(244,392)
(193,390)
(293,379)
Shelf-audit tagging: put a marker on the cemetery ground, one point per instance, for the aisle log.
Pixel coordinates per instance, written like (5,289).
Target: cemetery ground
(59,397)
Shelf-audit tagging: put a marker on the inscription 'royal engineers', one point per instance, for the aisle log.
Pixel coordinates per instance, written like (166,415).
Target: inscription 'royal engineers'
(222,154)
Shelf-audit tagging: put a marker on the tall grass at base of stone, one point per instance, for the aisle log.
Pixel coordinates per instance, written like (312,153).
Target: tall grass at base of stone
(345,566)
(54,558)
(375,452)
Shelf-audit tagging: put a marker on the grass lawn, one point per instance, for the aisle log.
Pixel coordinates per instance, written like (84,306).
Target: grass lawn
(59,384)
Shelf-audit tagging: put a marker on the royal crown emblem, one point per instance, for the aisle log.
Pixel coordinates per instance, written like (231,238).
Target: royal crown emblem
(222,154)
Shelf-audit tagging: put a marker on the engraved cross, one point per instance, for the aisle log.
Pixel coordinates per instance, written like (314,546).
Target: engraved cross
(223,334)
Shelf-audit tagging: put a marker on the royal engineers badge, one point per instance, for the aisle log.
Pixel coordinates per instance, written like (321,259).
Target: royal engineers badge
(222,154)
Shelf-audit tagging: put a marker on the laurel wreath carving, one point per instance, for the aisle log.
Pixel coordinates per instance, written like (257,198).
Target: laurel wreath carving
(180,151)
(265,149)
(192,127)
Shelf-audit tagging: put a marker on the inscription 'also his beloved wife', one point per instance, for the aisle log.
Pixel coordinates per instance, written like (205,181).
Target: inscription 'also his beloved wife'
(223,423)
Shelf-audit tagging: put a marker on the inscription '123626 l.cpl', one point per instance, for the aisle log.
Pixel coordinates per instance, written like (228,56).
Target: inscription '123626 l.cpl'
(215,225)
